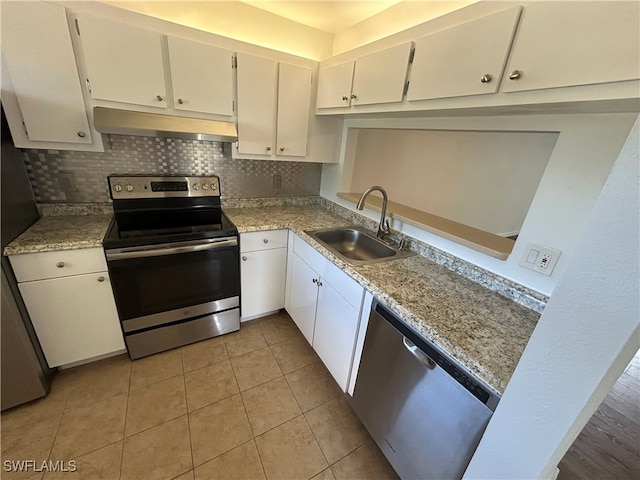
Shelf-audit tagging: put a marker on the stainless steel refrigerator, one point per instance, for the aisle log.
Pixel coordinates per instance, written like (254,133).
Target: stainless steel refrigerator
(25,373)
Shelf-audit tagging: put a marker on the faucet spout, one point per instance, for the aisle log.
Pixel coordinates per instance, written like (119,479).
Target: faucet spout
(383,225)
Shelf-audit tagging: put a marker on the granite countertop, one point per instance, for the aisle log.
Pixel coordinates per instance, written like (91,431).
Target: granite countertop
(61,232)
(483,330)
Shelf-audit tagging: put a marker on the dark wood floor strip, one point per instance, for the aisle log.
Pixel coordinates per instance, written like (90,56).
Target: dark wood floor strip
(608,448)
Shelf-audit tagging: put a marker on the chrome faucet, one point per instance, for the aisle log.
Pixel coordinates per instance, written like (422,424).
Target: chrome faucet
(383,226)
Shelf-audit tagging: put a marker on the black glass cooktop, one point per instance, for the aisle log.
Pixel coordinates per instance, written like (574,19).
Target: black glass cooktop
(155,227)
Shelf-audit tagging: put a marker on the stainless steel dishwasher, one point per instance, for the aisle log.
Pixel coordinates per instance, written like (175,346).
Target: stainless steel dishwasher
(424,410)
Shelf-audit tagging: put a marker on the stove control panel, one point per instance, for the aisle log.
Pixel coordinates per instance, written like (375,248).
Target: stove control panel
(142,186)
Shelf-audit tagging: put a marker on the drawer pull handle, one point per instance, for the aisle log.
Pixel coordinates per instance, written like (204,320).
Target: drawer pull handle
(515,75)
(60,264)
(101,279)
(244,259)
(265,240)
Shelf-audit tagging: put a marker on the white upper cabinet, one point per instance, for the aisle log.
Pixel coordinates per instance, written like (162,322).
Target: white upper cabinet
(294,94)
(201,77)
(334,85)
(257,90)
(40,72)
(124,63)
(380,77)
(464,60)
(562,44)
(273,106)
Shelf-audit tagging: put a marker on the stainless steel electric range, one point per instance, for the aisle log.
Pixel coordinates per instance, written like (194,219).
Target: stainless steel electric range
(173,259)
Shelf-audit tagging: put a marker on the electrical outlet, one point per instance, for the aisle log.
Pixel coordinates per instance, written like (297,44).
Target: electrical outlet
(67,181)
(277,181)
(539,258)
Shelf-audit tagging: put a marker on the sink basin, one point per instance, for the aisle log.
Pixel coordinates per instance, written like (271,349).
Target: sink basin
(355,245)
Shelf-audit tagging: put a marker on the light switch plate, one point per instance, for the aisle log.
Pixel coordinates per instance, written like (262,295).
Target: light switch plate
(539,258)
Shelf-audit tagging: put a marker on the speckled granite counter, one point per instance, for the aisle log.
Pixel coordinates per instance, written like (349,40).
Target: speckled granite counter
(485,331)
(61,232)
(482,329)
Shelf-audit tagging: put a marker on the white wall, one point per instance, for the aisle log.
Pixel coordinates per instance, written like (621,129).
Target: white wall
(587,147)
(586,336)
(482,179)
(239,21)
(399,17)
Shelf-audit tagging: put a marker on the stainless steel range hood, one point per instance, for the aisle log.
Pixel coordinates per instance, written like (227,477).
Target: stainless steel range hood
(125,122)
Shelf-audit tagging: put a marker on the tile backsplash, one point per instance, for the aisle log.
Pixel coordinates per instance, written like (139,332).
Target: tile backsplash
(52,171)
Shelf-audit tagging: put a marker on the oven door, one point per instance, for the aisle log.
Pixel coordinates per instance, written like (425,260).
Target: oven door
(156,285)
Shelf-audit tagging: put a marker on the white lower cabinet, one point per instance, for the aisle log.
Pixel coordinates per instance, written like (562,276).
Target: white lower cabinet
(262,272)
(325,303)
(335,332)
(304,296)
(72,311)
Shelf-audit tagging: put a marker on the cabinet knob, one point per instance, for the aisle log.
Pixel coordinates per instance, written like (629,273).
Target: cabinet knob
(180,101)
(515,75)
(60,264)
(265,240)
(314,280)
(101,279)
(345,98)
(319,283)
(486,78)
(244,259)
(160,98)
(353,96)
(82,134)
(282,149)
(268,149)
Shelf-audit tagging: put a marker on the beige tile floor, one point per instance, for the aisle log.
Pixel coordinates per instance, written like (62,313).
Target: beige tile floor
(253,404)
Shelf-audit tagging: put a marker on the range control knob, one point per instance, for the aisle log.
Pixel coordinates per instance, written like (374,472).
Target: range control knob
(128,187)
(196,186)
(117,187)
(214,187)
(205,186)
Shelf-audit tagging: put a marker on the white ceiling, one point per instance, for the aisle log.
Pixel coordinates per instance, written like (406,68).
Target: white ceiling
(330,16)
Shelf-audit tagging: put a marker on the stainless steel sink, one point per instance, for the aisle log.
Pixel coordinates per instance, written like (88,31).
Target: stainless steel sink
(356,246)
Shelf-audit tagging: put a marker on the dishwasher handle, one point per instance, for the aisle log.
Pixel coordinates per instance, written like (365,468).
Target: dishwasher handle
(419,354)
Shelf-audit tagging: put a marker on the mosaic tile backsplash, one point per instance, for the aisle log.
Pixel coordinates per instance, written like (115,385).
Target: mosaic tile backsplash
(163,156)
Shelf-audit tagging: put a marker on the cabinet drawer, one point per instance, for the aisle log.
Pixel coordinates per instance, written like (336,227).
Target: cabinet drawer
(347,287)
(250,242)
(39,266)
(310,255)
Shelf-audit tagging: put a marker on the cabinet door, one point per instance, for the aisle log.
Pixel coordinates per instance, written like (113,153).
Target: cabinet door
(294,96)
(334,85)
(262,281)
(335,333)
(561,44)
(201,76)
(75,317)
(38,54)
(124,63)
(381,76)
(257,92)
(464,60)
(303,296)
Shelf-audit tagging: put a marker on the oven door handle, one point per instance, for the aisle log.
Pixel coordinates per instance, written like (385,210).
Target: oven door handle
(124,254)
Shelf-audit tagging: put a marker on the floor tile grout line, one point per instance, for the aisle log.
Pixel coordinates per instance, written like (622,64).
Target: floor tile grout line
(55,436)
(186,404)
(126,413)
(319,446)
